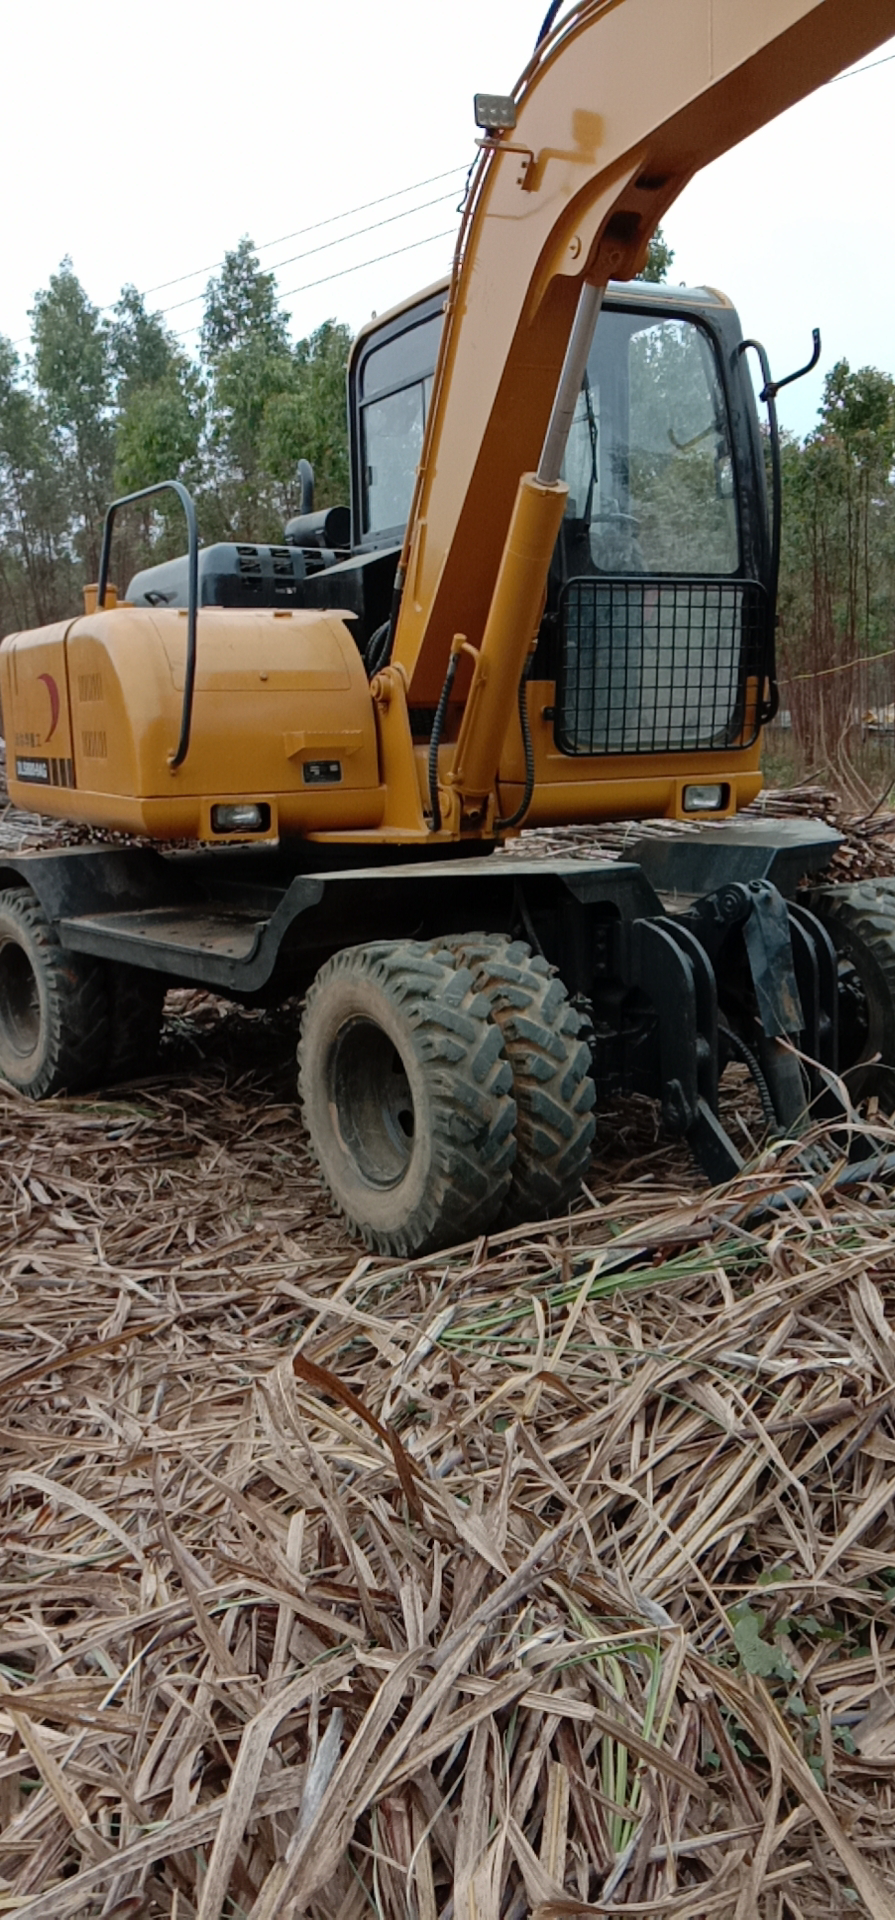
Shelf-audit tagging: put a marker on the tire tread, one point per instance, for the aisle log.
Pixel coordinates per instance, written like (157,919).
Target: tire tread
(860,919)
(551,1066)
(76,1026)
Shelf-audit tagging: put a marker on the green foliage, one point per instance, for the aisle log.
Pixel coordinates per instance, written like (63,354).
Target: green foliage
(858,410)
(270,404)
(35,506)
(241,307)
(837,583)
(307,420)
(157,435)
(757,1654)
(158,428)
(658,259)
(71,356)
(73,378)
(141,350)
(110,404)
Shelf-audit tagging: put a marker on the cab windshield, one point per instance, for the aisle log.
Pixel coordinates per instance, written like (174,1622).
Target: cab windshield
(660,636)
(648,461)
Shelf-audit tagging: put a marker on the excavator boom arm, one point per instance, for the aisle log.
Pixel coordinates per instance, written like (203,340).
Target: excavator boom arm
(619,107)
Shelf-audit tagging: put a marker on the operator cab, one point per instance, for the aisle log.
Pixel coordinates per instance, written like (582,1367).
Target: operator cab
(659,608)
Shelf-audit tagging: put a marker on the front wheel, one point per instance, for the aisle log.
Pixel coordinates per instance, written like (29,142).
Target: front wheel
(860,920)
(54,1012)
(543,1039)
(406,1097)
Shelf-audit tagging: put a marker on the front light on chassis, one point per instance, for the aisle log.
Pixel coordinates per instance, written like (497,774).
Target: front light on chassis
(705,799)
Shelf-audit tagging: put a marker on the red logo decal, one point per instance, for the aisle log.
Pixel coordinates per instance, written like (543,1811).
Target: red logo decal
(53,692)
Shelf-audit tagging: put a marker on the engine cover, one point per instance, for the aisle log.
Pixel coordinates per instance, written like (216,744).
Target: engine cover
(282,717)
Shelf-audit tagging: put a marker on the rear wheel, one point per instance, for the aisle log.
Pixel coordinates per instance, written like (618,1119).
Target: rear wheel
(551,1066)
(860,920)
(54,1013)
(406,1097)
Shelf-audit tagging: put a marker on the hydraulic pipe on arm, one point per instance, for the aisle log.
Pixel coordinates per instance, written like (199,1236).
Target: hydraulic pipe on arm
(518,598)
(621,104)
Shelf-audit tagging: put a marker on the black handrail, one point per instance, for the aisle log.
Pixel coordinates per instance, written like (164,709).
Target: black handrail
(769,400)
(768,397)
(175,759)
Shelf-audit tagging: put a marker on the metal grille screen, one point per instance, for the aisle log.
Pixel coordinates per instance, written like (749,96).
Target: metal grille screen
(659,666)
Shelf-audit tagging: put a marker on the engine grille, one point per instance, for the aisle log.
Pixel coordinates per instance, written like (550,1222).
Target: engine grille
(249,562)
(654,665)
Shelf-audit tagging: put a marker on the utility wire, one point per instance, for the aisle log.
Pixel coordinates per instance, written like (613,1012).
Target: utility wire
(325,245)
(347,214)
(446,233)
(853,72)
(263,246)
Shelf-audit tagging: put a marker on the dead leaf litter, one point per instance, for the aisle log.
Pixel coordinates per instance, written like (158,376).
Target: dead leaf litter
(550,1576)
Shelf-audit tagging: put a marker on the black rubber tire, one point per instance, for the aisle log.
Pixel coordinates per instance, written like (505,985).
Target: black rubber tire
(860,920)
(54,1009)
(882,885)
(551,1066)
(136,999)
(406,1097)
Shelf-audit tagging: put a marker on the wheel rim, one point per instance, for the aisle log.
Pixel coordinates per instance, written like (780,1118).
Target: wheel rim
(371,1102)
(19,1000)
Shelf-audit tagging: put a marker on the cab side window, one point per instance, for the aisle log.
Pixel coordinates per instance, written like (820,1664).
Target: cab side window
(395,388)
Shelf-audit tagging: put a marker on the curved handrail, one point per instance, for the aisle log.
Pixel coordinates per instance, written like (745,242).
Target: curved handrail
(175,759)
(768,398)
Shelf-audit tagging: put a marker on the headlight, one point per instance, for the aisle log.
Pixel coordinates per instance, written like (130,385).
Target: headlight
(705,799)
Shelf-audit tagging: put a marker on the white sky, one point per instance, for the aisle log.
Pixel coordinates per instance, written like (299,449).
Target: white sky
(145,142)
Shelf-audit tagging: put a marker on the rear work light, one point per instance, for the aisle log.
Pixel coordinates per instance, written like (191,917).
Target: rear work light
(246,817)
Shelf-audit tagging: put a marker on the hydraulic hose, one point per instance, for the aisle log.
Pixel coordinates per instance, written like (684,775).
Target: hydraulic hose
(744,1054)
(435,741)
(549,18)
(378,650)
(513,819)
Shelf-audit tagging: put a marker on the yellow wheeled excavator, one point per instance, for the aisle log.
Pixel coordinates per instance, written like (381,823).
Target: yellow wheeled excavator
(551,601)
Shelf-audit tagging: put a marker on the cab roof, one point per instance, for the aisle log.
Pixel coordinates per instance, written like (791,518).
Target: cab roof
(646,293)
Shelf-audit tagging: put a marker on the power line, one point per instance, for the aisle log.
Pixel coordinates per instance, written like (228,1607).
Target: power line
(356,234)
(347,214)
(854,71)
(372,227)
(447,233)
(331,220)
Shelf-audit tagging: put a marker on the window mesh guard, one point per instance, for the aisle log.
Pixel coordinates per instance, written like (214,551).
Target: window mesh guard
(653,665)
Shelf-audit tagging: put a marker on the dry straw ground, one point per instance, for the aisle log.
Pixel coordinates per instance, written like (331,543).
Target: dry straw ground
(551,1577)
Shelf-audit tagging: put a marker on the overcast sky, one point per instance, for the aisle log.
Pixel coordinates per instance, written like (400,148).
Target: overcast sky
(145,142)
